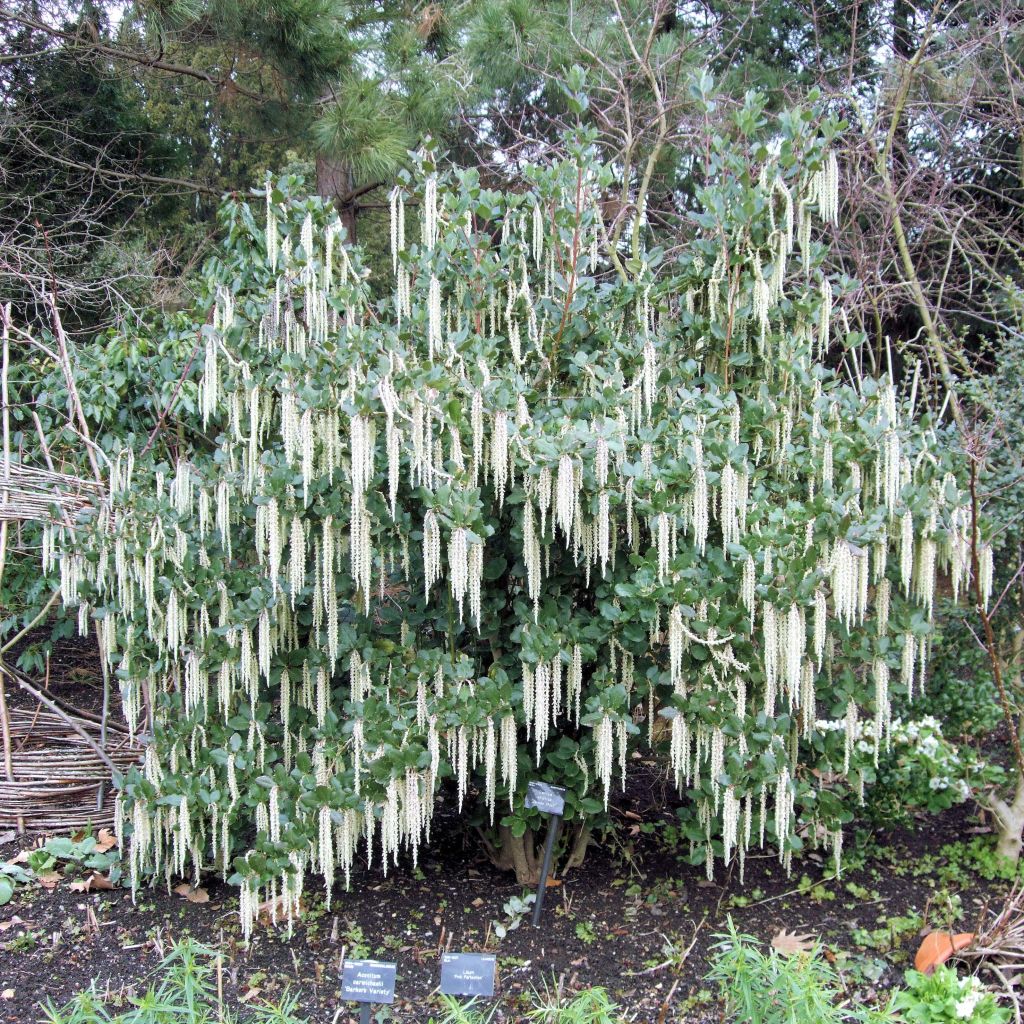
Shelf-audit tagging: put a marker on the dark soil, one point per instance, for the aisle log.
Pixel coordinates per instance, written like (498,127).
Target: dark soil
(637,919)
(607,925)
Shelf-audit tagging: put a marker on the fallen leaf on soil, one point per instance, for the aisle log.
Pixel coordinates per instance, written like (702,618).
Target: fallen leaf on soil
(937,947)
(250,993)
(94,881)
(8,837)
(106,840)
(48,879)
(265,911)
(553,883)
(790,942)
(6,926)
(478,902)
(21,857)
(198,895)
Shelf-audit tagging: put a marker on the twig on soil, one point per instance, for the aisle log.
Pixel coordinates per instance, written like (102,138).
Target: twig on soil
(673,961)
(668,999)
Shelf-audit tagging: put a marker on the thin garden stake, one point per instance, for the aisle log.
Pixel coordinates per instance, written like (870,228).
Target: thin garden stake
(5,723)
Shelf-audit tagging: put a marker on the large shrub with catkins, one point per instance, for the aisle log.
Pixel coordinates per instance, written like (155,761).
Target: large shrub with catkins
(537,508)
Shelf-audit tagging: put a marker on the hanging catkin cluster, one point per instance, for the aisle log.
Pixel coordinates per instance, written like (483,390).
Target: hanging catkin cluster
(504,521)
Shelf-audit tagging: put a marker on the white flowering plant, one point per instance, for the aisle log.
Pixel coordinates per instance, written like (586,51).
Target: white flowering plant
(943,997)
(913,767)
(536,506)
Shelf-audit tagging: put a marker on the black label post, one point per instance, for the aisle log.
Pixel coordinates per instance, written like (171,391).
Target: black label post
(367,982)
(468,974)
(548,800)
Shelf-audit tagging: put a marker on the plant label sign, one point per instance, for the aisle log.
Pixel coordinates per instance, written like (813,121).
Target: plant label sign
(368,981)
(467,974)
(545,798)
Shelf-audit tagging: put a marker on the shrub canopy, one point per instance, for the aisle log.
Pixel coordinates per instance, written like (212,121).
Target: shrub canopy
(529,509)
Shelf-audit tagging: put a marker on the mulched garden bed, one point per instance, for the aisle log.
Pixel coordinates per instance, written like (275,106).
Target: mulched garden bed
(637,919)
(624,922)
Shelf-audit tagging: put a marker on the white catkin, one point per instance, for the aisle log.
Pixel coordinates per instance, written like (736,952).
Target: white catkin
(574,683)
(431,551)
(748,586)
(882,710)
(700,496)
(908,663)
(499,454)
(604,754)
(906,550)
(430,212)
(458,565)
(820,626)
(676,641)
(476,574)
(538,235)
(662,541)
(565,495)
(434,318)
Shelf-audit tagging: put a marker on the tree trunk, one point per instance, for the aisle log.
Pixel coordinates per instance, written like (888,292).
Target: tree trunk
(579,848)
(1010,819)
(525,855)
(334,182)
(1010,816)
(515,854)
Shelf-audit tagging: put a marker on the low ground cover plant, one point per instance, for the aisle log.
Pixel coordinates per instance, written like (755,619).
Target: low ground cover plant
(761,986)
(943,997)
(182,990)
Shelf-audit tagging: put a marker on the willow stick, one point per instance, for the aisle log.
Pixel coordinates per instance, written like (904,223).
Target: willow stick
(100,792)
(5,722)
(34,691)
(40,615)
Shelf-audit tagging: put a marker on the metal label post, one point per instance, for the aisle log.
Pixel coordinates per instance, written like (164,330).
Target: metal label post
(548,800)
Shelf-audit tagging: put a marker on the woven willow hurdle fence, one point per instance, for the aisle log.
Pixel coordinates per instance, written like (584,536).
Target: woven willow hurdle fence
(58,762)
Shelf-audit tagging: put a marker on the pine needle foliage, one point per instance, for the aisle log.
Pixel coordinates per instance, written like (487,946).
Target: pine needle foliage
(366,126)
